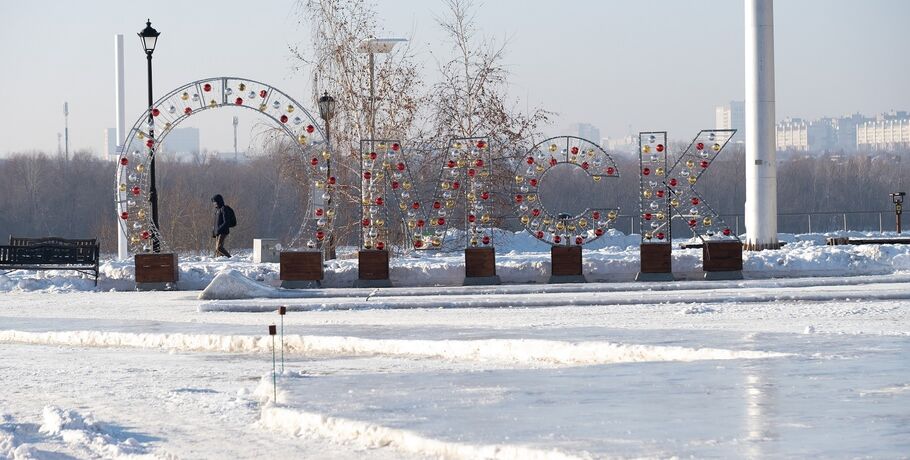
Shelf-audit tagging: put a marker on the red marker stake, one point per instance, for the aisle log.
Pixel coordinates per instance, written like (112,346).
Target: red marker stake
(274,378)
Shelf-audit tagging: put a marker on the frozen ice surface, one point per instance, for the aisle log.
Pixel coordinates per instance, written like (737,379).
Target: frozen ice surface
(783,364)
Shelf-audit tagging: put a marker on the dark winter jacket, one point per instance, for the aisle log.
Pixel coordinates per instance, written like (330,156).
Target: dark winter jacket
(220,226)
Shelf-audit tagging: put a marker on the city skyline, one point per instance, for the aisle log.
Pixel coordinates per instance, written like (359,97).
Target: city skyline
(660,65)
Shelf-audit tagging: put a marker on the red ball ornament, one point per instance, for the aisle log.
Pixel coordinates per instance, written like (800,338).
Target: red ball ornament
(704,164)
(535,212)
(395,185)
(726,232)
(149,143)
(595,214)
(415,205)
(238,101)
(557,239)
(262,94)
(578,240)
(574,150)
(646,171)
(156,112)
(539,234)
(367,175)
(146,235)
(472,172)
(673,182)
(421,223)
(530,160)
(481,144)
(659,148)
(188,110)
(320,235)
(372,155)
(647,216)
(284,118)
(418,244)
(365,222)
(479,163)
(451,164)
(485,195)
(314,161)
(400,166)
(695,201)
(553,162)
(533,182)
(599,231)
(519,198)
(124,215)
(472,218)
(319,212)
(692,222)
(610,170)
(660,235)
(207,87)
(659,193)
(584,165)
(310,129)
(136,190)
(124,161)
(379,201)
(331,180)
(485,239)
(441,221)
(699,146)
(456,185)
(380,245)
(396,147)
(437,205)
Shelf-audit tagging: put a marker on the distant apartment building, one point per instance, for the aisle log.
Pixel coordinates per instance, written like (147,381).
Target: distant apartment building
(732,116)
(180,144)
(888,131)
(585,131)
(822,135)
(624,144)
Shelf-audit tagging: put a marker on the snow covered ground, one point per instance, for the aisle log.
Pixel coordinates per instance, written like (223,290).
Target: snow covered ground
(783,364)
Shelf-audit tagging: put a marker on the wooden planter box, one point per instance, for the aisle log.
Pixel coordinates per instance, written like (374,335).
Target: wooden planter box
(722,256)
(373,265)
(480,266)
(565,265)
(156,271)
(656,258)
(300,266)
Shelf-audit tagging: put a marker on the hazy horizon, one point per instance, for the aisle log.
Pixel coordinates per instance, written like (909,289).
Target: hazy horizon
(616,65)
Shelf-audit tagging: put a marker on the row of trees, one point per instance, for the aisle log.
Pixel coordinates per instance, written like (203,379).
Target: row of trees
(42,195)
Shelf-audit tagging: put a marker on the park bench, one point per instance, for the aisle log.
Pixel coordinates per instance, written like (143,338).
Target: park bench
(50,254)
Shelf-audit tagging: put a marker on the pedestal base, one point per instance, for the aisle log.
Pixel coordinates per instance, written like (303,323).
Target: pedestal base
(656,262)
(373,268)
(480,267)
(565,265)
(156,272)
(300,269)
(722,260)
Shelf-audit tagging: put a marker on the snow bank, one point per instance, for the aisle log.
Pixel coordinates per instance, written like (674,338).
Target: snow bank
(86,434)
(371,436)
(521,258)
(506,351)
(11,445)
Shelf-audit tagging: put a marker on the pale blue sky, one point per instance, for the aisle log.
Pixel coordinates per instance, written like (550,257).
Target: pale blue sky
(661,64)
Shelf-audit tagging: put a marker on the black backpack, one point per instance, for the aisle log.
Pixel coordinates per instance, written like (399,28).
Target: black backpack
(229,216)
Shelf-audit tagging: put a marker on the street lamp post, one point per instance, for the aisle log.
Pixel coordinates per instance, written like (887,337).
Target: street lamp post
(898,199)
(326,112)
(149,37)
(372,46)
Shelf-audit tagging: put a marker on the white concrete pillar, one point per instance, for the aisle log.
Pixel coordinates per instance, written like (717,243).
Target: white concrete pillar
(122,244)
(761,157)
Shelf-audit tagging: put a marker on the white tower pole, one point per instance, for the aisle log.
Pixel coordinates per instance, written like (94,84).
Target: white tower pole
(761,157)
(122,245)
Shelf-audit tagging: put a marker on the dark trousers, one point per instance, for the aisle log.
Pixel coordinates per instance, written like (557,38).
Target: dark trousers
(219,247)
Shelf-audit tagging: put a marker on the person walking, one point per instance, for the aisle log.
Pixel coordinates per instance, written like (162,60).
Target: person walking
(224,220)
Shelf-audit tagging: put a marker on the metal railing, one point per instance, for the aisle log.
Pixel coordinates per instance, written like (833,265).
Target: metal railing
(801,222)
